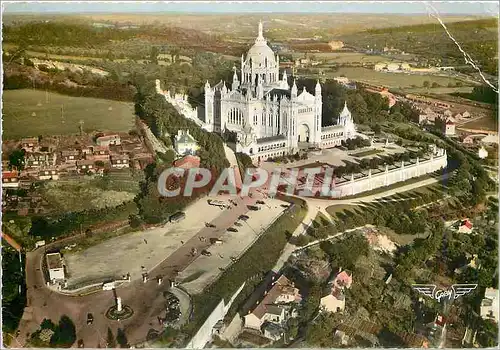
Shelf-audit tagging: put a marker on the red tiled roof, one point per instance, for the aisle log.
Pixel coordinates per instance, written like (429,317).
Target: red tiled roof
(466,223)
(271,296)
(188,162)
(9,174)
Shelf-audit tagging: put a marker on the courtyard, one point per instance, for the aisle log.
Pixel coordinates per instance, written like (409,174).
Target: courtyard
(205,269)
(137,252)
(336,157)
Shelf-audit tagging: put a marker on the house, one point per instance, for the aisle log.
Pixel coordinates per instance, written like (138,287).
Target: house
(99,153)
(490,305)
(334,301)
(188,162)
(29,144)
(273,331)
(274,307)
(48,174)
(85,165)
(466,114)
(120,161)
(449,128)
(343,280)
(10,179)
(468,140)
(448,113)
(482,153)
(185,143)
(55,266)
(465,226)
(70,156)
(38,160)
(473,264)
(108,140)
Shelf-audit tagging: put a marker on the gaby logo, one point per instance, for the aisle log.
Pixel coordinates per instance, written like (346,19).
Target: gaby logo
(456,291)
(306,182)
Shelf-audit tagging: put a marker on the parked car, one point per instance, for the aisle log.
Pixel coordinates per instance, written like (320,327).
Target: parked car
(244,217)
(239,224)
(232,229)
(90,318)
(253,207)
(261,202)
(206,253)
(178,217)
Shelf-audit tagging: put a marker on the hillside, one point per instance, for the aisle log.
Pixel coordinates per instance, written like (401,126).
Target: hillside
(479,38)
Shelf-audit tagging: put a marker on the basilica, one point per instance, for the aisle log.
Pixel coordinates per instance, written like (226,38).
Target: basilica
(269,117)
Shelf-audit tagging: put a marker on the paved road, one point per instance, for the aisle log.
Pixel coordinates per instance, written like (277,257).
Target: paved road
(146,299)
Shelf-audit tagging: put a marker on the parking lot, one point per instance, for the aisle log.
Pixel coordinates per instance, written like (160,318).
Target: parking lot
(206,268)
(137,252)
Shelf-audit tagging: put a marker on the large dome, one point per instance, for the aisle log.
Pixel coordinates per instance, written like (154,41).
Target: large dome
(261,54)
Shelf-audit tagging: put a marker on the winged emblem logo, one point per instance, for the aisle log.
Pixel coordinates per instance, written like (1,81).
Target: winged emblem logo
(456,291)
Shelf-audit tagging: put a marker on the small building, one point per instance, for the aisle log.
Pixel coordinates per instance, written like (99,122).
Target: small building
(86,165)
(29,144)
(48,174)
(482,153)
(10,179)
(465,226)
(185,143)
(120,161)
(272,331)
(466,114)
(188,162)
(449,128)
(38,160)
(468,140)
(335,300)
(490,305)
(273,307)
(108,140)
(55,267)
(70,156)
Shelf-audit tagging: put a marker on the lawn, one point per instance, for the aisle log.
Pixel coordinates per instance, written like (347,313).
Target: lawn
(33,113)
(88,193)
(343,57)
(485,123)
(392,80)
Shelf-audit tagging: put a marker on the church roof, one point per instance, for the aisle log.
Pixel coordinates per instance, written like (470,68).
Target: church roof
(259,52)
(279,93)
(305,95)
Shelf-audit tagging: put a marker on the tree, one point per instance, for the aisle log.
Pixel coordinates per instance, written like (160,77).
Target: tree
(426,84)
(110,339)
(121,338)
(16,159)
(65,333)
(434,84)
(154,55)
(376,128)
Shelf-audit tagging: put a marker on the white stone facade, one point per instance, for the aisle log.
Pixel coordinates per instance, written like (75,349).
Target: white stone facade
(353,184)
(269,117)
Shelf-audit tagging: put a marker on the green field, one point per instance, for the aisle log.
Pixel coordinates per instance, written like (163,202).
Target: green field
(90,193)
(342,57)
(392,80)
(32,113)
(485,123)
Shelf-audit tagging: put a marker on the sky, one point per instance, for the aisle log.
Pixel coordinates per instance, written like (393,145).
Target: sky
(399,7)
